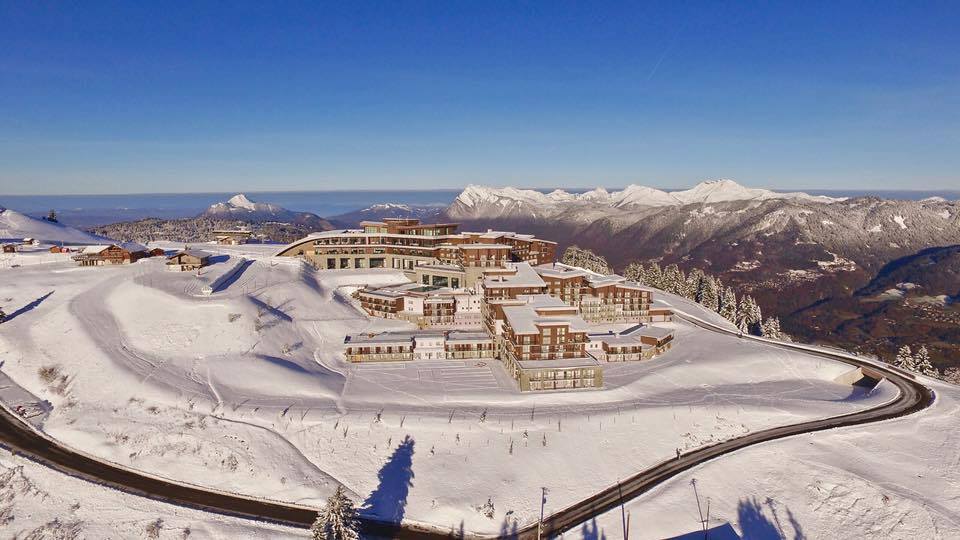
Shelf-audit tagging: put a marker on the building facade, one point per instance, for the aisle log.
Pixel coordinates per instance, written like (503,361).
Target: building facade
(405,244)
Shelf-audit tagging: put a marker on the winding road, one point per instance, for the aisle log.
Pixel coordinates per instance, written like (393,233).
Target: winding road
(20,437)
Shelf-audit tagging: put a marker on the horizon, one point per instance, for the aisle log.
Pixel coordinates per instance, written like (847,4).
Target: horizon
(545,189)
(122,98)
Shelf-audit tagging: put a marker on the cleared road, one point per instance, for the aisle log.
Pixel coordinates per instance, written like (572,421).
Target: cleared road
(19,437)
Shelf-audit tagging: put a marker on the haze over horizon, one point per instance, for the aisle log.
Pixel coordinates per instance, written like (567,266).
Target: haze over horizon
(129,98)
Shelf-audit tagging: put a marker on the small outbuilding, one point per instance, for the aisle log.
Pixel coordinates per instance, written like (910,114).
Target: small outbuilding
(9,248)
(157,252)
(188,260)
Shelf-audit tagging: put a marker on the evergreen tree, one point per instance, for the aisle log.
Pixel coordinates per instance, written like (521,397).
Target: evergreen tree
(673,281)
(905,359)
(709,297)
(635,272)
(749,316)
(728,307)
(771,328)
(922,363)
(693,286)
(654,276)
(337,520)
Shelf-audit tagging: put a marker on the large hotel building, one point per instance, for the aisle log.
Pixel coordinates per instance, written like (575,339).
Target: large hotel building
(430,254)
(490,295)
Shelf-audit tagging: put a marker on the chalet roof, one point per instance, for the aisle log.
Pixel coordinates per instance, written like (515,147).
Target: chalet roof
(94,250)
(191,252)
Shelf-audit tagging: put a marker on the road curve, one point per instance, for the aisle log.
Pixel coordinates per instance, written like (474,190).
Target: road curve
(914,396)
(19,437)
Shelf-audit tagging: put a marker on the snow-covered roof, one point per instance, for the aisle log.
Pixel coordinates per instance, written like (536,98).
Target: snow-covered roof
(200,254)
(655,332)
(514,275)
(542,310)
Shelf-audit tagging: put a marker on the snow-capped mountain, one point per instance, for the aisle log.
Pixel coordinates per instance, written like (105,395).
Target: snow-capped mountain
(17,226)
(241,207)
(481,201)
(380,211)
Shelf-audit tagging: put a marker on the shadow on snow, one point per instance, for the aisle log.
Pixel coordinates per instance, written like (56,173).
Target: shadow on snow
(388,501)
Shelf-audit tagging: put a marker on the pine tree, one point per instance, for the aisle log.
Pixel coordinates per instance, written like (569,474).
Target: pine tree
(693,287)
(709,297)
(673,280)
(749,316)
(337,520)
(922,363)
(771,328)
(728,307)
(635,272)
(654,276)
(905,359)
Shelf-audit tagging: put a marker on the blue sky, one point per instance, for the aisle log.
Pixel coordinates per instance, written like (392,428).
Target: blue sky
(99,97)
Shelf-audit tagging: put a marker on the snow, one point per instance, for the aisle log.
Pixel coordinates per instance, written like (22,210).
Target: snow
(875,229)
(898,219)
(241,201)
(37,502)
(246,390)
(895,479)
(14,225)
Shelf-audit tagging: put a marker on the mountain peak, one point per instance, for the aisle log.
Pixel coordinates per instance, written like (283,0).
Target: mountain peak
(241,200)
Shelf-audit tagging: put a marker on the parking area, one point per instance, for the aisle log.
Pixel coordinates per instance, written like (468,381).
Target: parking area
(434,377)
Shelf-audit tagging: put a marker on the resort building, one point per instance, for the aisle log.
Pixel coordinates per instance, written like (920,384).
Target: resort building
(454,259)
(599,298)
(636,343)
(542,343)
(423,305)
(408,346)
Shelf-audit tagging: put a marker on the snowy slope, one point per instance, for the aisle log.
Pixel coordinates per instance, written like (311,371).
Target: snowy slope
(14,225)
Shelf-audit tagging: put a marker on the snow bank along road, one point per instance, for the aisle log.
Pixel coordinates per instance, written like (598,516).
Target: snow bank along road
(20,437)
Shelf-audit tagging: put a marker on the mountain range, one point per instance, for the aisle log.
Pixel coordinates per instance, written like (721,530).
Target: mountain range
(814,261)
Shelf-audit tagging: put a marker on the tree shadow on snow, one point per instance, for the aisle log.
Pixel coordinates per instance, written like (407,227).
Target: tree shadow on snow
(591,531)
(720,532)
(29,307)
(509,529)
(755,525)
(388,501)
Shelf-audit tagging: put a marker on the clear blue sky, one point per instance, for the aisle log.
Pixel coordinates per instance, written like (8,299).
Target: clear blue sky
(193,96)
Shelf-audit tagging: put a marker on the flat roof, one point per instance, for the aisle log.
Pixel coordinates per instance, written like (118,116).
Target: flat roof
(523,275)
(648,331)
(469,336)
(524,318)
